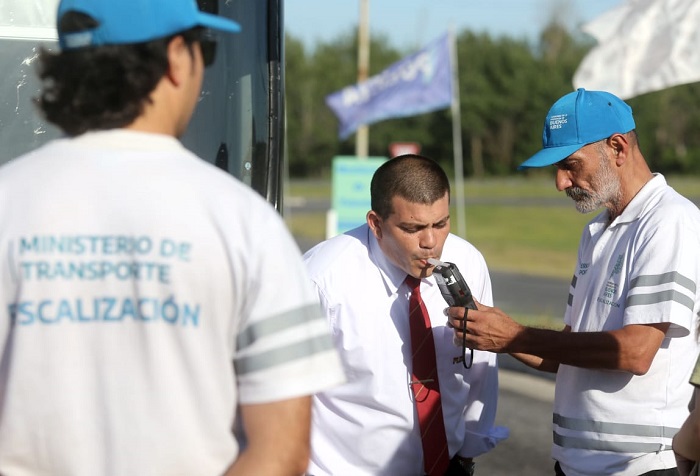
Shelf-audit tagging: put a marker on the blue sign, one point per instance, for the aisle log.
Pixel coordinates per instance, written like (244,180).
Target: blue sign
(350,190)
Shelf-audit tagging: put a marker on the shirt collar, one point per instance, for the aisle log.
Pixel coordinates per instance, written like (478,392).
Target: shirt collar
(634,209)
(639,204)
(128,139)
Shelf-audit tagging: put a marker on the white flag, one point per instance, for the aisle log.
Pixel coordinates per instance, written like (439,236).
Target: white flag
(643,46)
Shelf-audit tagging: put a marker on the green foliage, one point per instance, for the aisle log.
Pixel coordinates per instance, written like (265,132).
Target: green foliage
(520,224)
(506,86)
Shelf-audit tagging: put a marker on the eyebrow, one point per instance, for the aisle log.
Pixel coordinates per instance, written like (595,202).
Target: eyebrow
(568,162)
(423,225)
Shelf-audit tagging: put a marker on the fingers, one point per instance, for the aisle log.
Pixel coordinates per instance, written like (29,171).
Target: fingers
(456,316)
(460,332)
(454,312)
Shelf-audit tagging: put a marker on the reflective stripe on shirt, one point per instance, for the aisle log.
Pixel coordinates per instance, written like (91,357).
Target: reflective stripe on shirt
(609,428)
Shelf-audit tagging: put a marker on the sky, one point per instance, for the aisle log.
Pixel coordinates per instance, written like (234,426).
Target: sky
(410,24)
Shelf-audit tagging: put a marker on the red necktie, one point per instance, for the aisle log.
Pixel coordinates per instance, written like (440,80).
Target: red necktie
(425,385)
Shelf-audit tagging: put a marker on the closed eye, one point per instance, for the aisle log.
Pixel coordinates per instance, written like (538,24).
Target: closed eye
(412,229)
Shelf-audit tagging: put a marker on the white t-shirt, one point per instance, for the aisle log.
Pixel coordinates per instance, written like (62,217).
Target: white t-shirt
(144,294)
(643,268)
(368,426)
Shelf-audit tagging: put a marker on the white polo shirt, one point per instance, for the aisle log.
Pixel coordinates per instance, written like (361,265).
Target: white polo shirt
(368,426)
(144,295)
(644,268)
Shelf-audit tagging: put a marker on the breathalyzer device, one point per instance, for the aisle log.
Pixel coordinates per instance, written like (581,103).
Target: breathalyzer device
(452,285)
(456,293)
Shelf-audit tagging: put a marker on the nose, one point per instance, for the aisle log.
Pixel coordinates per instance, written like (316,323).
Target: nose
(427,238)
(563,180)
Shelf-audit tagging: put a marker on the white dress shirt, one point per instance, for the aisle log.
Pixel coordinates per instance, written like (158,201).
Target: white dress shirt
(369,426)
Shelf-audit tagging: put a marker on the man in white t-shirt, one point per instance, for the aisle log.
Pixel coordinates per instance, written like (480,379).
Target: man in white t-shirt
(155,313)
(626,353)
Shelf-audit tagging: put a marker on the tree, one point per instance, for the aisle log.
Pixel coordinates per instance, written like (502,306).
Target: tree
(506,88)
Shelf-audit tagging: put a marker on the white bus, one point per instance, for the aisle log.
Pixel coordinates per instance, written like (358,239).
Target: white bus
(238,124)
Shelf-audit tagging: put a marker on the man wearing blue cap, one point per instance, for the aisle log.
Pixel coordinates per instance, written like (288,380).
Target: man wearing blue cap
(628,347)
(154,311)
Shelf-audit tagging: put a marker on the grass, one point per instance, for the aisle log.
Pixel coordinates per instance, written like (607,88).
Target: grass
(532,240)
(513,233)
(540,241)
(528,240)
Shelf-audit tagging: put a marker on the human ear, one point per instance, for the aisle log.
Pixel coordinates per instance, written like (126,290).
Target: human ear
(375,224)
(620,146)
(179,60)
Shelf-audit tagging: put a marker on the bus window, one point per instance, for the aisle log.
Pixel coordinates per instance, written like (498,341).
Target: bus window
(238,123)
(23,27)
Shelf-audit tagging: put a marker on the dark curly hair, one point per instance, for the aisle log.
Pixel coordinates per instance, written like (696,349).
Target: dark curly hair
(415,178)
(98,88)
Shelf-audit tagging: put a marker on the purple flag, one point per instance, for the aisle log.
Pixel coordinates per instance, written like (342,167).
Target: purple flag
(419,83)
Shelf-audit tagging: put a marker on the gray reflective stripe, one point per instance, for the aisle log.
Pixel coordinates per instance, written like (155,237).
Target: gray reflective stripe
(278,323)
(671,277)
(663,296)
(616,446)
(282,355)
(630,429)
(570,300)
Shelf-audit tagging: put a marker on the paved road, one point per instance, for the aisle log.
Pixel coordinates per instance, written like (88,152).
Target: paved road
(530,295)
(525,407)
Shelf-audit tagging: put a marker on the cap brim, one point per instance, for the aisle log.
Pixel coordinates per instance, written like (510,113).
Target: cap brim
(549,156)
(216,22)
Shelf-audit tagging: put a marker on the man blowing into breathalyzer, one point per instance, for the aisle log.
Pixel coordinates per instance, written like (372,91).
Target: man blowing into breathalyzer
(410,407)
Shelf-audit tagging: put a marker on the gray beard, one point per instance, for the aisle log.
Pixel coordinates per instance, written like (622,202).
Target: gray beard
(606,192)
(585,202)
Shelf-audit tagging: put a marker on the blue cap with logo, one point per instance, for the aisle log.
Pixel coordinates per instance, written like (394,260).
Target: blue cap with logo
(577,119)
(136,21)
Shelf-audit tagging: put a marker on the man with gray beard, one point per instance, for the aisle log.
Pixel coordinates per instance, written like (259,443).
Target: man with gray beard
(626,352)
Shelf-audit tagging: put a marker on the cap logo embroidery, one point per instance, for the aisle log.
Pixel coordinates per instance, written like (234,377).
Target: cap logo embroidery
(558,121)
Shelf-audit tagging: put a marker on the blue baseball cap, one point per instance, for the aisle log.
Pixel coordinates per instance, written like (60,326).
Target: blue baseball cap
(136,21)
(577,119)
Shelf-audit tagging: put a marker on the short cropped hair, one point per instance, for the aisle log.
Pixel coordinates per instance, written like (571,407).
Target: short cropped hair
(415,178)
(104,87)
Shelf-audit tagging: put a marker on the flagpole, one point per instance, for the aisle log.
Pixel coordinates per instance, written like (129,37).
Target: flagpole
(362,135)
(457,138)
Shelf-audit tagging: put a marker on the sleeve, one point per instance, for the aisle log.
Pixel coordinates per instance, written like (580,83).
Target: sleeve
(480,410)
(481,435)
(283,349)
(664,274)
